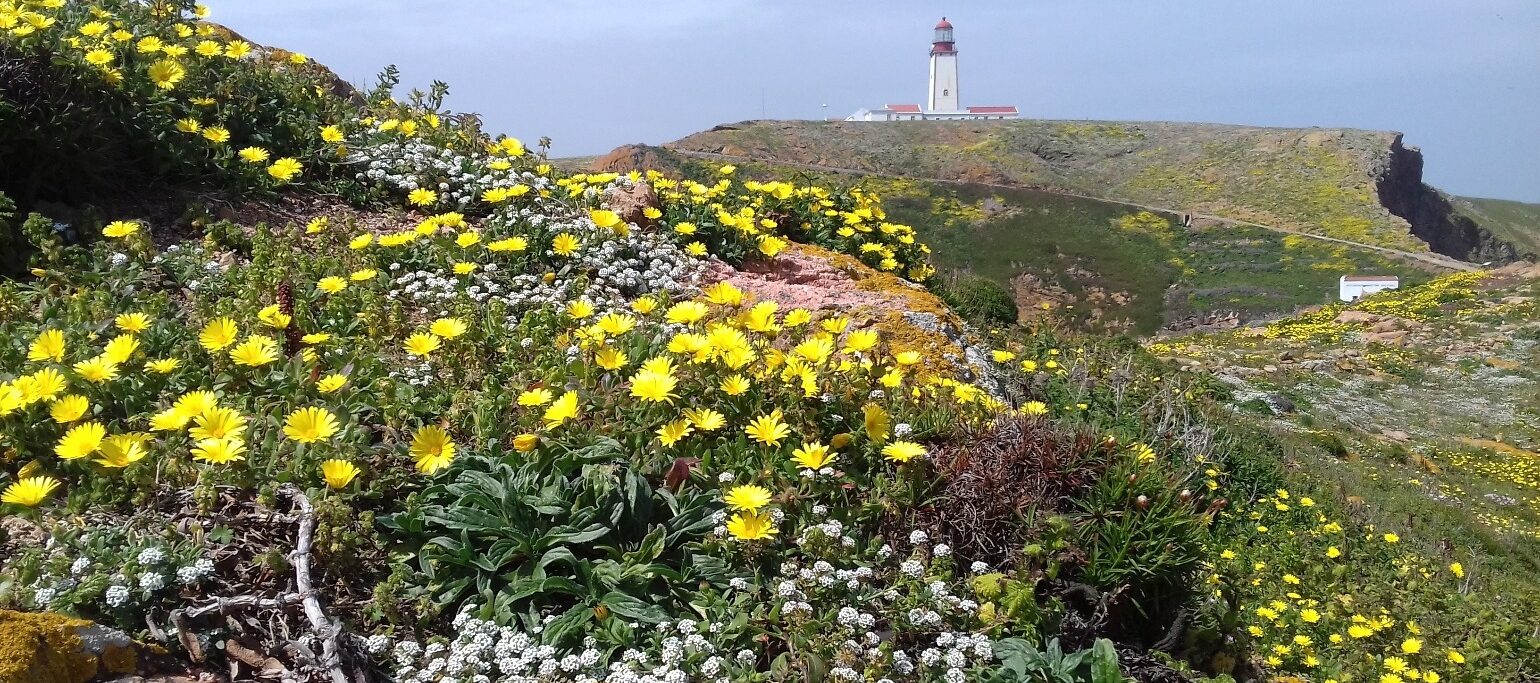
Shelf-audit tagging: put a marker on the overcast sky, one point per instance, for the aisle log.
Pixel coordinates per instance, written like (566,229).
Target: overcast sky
(1460,77)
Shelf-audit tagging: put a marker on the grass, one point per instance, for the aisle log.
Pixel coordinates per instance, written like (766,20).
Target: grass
(1518,223)
(1168,272)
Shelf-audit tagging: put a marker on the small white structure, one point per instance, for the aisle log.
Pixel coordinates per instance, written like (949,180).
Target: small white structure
(1354,287)
(942,103)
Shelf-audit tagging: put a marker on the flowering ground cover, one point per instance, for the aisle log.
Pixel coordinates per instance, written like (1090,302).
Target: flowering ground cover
(478,419)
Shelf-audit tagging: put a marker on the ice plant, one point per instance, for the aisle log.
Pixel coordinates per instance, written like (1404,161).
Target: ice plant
(338,473)
(432,449)
(903,451)
(751,526)
(309,425)
(29,492)
(749,497)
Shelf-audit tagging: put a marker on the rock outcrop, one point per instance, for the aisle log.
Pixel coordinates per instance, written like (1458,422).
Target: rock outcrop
(52,648)
(1432,215)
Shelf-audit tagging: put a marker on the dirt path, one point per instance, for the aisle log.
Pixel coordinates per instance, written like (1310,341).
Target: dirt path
(1436,260)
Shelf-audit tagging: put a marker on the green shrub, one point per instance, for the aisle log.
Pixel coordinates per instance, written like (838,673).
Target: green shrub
(579,531)
(978,298)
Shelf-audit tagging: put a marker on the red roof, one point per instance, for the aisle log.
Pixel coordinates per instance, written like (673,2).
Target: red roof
(991,110)
(944,23)
(903,108)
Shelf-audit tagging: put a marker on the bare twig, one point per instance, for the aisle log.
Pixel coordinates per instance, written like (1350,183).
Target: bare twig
(225,605)
(326,630)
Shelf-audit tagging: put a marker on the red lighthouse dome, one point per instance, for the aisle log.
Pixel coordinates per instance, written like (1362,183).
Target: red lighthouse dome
(942,43)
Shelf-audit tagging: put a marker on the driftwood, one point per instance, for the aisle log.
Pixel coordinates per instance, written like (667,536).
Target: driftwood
(326,630)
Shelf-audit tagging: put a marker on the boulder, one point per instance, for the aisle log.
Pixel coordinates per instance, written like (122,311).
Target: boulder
(53,648)
(631,203)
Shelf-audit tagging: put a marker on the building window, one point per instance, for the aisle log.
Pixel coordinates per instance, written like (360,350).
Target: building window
(945,91)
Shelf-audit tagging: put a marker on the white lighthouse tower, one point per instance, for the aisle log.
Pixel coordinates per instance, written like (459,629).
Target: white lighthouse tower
(943,70)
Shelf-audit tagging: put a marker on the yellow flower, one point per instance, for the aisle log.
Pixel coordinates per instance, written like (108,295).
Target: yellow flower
(905,358)
(1392,538)
(525,443)
(432,449)
(565,244)
(903,451)
(237,49)
(132,323)
(122,450)
(422,344)
(770,245)
(751,527)
(253,155)
(1455,657)
(686,312)
(256,351)
(610,358)
(219,451)
(468,238)
(1309,616)
(218,334)
(1457,569)
(332,284)
(695,249)
(80,441)
(605,218)
(876,421)
(422,197)
(331,383)
(509,244)
(535,397)
(361,241)
(1333,553)
(273,317)
(616,324)
(861,341)
(1411,646)
(749,497)
(216,134)
(120,349)
(654,387)
(338,473)
(644,305)
(285,169)
(309,425)
(362,275)
(67,409)
(768,429)
(30,491)
(163,366)
(735,385)
(149,45)
(166,73)
(706,419)
(49,345)
(580,309)
(565,408)
(98,369)
(1035,408)
(120,229)
(671,432)
(1359,631)
(219,423)
(814,456)
(685,228)
(331,134)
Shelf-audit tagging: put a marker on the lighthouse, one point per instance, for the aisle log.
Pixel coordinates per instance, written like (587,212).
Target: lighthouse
(942,103)
(943,70)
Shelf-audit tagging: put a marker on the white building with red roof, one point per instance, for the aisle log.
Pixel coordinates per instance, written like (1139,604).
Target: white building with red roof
(943,102)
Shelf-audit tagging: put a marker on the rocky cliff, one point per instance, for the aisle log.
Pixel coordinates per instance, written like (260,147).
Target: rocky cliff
(1433,216)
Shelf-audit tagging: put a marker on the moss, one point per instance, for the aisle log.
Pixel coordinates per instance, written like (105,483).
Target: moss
(46,648)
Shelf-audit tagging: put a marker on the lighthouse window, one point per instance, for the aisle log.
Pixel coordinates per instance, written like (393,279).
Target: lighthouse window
(945,91)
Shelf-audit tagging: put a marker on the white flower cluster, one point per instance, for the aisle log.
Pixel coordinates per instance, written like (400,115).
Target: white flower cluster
(899,594)
(406,165)
(483,652)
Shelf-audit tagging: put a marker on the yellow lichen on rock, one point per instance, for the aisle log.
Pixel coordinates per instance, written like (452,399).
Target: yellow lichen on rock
(53,648)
